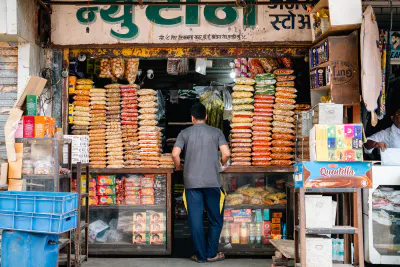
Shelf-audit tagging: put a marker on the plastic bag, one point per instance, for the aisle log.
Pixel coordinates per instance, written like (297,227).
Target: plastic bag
(228,98)
(255,67)
(214,104)
(105,68)
(131,69)
(117,67)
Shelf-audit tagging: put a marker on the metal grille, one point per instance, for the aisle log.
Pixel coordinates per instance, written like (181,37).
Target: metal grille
(8,86)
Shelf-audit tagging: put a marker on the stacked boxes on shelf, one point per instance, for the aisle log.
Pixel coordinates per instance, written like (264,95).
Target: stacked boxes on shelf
(106,189)
(79,147)
(149,228)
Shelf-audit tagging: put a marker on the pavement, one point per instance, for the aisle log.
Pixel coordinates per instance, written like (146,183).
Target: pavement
(173,262)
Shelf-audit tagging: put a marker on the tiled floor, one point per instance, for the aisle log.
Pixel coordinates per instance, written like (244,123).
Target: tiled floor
(170,262)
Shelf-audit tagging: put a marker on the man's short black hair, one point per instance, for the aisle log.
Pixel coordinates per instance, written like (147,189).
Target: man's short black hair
(198,111)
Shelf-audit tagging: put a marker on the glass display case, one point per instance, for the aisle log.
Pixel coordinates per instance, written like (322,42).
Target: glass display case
(41,164)
(382,216)
(255,209)
(130,212)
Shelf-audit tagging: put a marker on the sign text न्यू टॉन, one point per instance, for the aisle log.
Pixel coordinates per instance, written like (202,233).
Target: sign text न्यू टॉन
(191,23)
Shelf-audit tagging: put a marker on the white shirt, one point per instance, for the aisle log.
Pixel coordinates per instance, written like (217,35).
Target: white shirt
(390,136)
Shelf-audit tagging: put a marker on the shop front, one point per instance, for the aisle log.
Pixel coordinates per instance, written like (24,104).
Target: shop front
(187,54)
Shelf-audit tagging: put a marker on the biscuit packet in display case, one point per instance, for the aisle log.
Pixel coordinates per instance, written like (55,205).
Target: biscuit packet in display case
(139,217)
(157,227)
(106,200)
(103,190)
(140,239)
(106,180)
(155,217)
(156,238)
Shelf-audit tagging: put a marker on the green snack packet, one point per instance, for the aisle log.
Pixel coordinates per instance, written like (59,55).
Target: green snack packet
(267,86)
(265,92)
(266,82)
(265,76)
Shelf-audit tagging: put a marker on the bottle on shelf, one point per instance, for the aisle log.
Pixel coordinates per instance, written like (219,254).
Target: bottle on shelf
(258,233)
(244,234)
(252,233)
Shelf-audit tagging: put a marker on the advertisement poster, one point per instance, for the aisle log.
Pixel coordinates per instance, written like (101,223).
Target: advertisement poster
(333,175)
(395,45)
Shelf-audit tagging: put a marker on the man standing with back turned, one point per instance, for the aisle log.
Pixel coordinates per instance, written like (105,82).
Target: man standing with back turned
(202,185)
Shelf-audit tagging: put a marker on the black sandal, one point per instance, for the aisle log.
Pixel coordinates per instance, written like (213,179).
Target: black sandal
(220,257)
(194,258)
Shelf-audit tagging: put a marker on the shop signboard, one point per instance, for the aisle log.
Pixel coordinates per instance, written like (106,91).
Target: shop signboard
(174,24)
(333,175)
(395,47)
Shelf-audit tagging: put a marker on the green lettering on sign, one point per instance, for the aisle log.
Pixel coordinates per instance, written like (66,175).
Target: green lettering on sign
(87,15)
(250,14)
(153,14)
(192,14)
(210,14)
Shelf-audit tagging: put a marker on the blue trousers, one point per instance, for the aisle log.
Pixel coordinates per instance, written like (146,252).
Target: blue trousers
(213,200)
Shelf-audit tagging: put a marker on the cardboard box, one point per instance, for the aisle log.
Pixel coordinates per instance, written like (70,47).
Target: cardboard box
(41,126)
(318,252)
(15,184)
(342,142)
(328,113)
(318,211)
(34,86)
(333,175)
(29,126)
(3,173)
(31,105)
(15,167)
(19,133)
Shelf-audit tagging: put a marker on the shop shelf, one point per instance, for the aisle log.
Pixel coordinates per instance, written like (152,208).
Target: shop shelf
(322,65)
(131,171)
(335,30)
(43,176)
(55,203)
(129,207)
(246,249)
(126,248)
(334,230)
(63,243)
(257,169)
(249,206)
(322,88)
(38,223)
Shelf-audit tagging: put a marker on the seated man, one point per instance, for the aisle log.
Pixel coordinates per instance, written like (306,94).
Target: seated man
(388,138)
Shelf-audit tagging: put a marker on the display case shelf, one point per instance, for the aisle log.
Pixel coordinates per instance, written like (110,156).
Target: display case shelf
(258,169)
(43,176)
(129,207)
(131,171)
(246,249)
(250,206)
